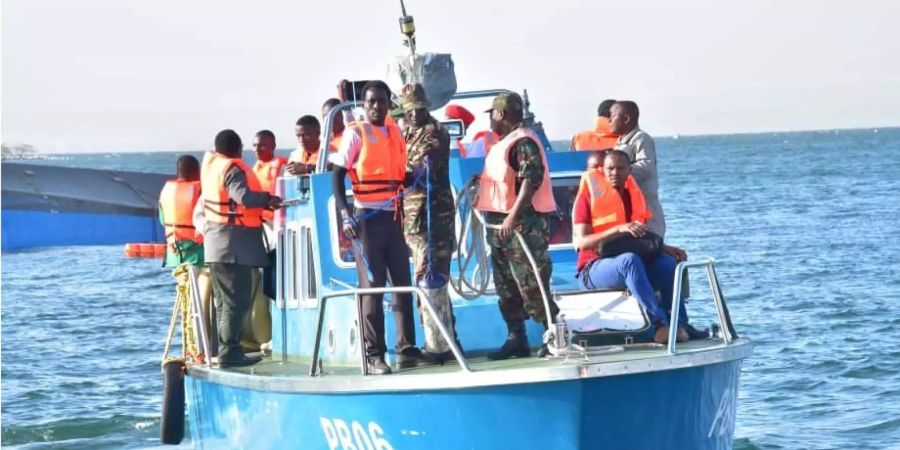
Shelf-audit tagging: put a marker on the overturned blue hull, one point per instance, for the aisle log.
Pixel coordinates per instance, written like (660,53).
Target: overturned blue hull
(24,229)
(687,408)
(50,205)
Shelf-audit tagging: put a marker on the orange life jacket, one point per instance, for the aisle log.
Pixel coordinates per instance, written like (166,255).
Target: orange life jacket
(335,143)
(309,159)
(607,209)
(600,138)
(381,165)
(497,188)
(177,200)
(267,172)
(219,207)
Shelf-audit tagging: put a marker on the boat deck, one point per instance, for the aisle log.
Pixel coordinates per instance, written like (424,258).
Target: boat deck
(299,367)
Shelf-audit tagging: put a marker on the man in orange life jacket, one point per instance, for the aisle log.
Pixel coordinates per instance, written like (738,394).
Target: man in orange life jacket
(268,167)
(234,202)
(610,206)
(601,137)
(184,242)
(515,193)
(374,154)
(176,203)
(303,160)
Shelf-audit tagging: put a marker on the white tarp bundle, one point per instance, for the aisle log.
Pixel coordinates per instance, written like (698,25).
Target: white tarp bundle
(595,311)
(434,71)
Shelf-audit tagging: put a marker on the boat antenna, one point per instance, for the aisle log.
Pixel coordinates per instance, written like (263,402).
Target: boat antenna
(528,116)
(408,28)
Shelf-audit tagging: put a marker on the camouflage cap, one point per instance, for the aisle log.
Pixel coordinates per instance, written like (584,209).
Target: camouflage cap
(507,101)
(397,112)
(412,97)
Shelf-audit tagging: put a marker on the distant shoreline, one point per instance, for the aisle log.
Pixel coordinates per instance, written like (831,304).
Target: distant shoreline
(664,137)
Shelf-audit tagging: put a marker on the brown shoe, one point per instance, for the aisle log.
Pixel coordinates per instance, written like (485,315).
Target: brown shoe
(662,335)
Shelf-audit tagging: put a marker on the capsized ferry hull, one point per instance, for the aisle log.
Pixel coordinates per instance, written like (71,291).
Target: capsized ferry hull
(685,408)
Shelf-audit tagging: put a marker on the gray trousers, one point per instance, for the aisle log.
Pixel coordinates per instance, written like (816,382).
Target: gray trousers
(233,287)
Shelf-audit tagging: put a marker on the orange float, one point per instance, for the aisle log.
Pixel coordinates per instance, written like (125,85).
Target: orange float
(145,250)
(132,250)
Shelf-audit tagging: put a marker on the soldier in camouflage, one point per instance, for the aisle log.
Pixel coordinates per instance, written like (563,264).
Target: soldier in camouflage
(424,136)
(517,287)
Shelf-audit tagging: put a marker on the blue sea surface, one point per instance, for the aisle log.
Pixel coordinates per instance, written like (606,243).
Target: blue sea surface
(805,227)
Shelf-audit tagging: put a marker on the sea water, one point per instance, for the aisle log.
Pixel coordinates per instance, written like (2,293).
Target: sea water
(805,227)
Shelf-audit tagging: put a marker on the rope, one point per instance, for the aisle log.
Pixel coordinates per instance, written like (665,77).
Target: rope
(428,211)
(395,200)
(471,244)
(182,309)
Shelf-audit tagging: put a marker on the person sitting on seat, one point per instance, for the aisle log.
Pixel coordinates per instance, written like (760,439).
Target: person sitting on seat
(609,205)
(601,137)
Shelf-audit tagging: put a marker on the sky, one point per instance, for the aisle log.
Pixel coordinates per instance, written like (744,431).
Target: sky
(144,75)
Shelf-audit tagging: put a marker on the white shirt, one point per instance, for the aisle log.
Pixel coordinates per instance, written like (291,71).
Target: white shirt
(346,156)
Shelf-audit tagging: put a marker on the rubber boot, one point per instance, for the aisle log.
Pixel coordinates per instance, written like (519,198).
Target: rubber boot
(543,351)
(516,344)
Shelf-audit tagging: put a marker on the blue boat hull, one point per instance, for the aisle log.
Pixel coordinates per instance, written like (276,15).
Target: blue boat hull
(689,408)
(50,205)
(23,229)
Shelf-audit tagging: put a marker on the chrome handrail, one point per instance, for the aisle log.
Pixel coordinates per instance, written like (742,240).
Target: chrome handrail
(545,298)
(719,301)
(356,293)
(199,314)
(321,162)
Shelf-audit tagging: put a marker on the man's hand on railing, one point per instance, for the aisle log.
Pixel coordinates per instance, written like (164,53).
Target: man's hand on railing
(349,225)
(274,202)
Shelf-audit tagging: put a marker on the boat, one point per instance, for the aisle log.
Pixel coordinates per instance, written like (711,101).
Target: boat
(604,387)
(47,205)
(605,384)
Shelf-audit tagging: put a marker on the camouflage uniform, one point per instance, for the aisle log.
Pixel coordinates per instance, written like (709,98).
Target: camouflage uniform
(517,288)
(434,141)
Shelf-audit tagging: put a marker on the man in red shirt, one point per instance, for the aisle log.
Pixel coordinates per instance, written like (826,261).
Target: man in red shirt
(608,206)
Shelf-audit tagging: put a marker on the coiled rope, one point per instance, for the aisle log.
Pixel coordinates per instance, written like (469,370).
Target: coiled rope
(470,282)
(182,310)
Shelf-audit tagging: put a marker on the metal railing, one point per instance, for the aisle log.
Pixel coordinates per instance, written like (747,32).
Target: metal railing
(356,293)
(321,162)
(200,314)
(725,325)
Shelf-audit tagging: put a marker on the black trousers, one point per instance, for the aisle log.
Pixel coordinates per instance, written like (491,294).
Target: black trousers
(386,254)
(233,287)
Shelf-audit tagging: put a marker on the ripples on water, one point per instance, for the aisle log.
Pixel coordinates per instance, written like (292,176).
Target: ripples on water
(805,227)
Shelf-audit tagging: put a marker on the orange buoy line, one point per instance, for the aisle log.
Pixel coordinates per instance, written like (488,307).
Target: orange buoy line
(145,250)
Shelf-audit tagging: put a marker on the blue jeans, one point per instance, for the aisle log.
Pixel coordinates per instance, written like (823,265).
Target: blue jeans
(629,271)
